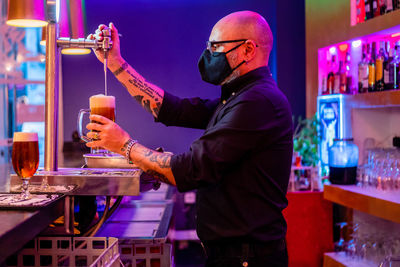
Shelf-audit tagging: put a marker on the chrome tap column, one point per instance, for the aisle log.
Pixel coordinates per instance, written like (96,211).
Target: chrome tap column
(54,44)
(52,84)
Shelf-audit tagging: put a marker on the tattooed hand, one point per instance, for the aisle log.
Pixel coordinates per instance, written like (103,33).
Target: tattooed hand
(147,94)
(110,135)
(114,55)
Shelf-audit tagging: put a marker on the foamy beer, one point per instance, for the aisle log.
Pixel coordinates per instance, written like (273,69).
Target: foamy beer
(99,105)
(25,159)
(103,105)
(25,154)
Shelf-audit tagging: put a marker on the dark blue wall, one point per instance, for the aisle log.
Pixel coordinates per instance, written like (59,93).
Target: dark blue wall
(162,40)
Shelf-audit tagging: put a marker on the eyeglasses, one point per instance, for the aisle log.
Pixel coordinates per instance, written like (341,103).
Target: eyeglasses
(213,45)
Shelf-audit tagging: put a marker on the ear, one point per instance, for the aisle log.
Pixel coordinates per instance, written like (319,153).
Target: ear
(249,50)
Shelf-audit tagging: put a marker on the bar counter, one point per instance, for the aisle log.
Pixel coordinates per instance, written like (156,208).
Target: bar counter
(18,227)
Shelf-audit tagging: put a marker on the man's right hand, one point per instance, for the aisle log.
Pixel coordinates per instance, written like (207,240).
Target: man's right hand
(114,55)
(147,94)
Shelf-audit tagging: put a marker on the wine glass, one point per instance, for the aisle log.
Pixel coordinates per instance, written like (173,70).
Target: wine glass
(341,243)
(25,159)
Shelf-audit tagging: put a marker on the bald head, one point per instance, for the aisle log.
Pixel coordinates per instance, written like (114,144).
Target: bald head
(246,25)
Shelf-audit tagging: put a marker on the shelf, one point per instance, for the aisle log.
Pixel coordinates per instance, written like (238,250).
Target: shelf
(383,204)
(339,259)
(387,98)
(382,25)
(328,23)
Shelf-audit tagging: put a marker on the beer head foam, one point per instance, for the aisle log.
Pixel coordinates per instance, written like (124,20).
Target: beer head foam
(102,101)
(20,137)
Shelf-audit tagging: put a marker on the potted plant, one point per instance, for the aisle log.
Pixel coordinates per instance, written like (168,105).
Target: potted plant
(306,140)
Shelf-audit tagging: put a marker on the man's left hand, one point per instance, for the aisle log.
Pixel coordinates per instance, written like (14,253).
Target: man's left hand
(106,134)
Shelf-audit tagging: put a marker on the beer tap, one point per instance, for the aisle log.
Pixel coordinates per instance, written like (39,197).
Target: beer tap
(105,45)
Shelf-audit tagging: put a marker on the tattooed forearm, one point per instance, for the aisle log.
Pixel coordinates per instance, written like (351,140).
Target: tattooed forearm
(162,160)
(159,176)
(147,94)
(121,69)
(144,87)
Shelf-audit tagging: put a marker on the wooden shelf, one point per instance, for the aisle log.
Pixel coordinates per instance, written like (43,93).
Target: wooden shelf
(383,25)
(376,99)
(383,204)
(339,259)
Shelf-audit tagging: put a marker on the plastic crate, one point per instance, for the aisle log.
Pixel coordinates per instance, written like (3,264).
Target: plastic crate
(68,251)
(142,253)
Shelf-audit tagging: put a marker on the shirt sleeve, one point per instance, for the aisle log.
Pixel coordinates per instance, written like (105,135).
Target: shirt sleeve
(240,130)
(186,112)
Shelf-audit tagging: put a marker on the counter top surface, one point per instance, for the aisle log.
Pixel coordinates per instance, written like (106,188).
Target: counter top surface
(17,227)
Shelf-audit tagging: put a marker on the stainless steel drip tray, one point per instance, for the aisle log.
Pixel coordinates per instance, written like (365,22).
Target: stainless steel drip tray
(85,181)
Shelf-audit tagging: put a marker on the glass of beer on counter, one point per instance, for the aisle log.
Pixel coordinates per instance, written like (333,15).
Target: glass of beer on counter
(100,105)
(25,159)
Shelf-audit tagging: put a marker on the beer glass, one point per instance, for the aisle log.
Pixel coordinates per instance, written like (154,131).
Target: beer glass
(100,105)
(25,159)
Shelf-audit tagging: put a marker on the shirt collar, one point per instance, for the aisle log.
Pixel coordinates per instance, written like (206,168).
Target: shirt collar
(239,83)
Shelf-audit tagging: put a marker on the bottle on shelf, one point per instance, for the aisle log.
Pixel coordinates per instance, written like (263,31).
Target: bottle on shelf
(389,5)
(368,9)
(386,68)
(380,62)
(331,75)
(324,90)
(394,74)
(396,4)
(363,71)
(346,81)
(382,6)
(371,68)
(336,83)
(375,9)
(360,11)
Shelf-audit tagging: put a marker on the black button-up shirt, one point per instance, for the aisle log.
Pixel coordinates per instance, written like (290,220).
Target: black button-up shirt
(241,165)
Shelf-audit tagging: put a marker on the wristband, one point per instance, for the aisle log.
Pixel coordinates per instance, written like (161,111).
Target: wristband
(129,148)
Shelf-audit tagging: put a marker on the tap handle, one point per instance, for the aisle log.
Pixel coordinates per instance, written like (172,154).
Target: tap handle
(107,42)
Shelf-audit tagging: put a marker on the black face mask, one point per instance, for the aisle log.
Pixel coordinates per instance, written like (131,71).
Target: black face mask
(214,68)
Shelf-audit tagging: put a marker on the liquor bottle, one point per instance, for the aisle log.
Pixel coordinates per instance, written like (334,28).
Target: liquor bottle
(345,77)
(381,6)
(375,8)
(360,11)
(324,82)
(386,66)
(379,64)
(371,68)
(331,76)
(396,4)
(336,84)
(363,71)
(368,9)
(393,82)
(389,6)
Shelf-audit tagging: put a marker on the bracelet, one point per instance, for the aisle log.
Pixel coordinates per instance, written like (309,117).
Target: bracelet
(129,148)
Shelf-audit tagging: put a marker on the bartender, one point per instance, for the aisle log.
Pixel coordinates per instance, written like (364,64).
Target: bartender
(240,166)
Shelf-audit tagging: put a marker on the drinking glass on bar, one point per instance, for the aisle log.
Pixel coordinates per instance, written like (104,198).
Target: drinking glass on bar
(25,159)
